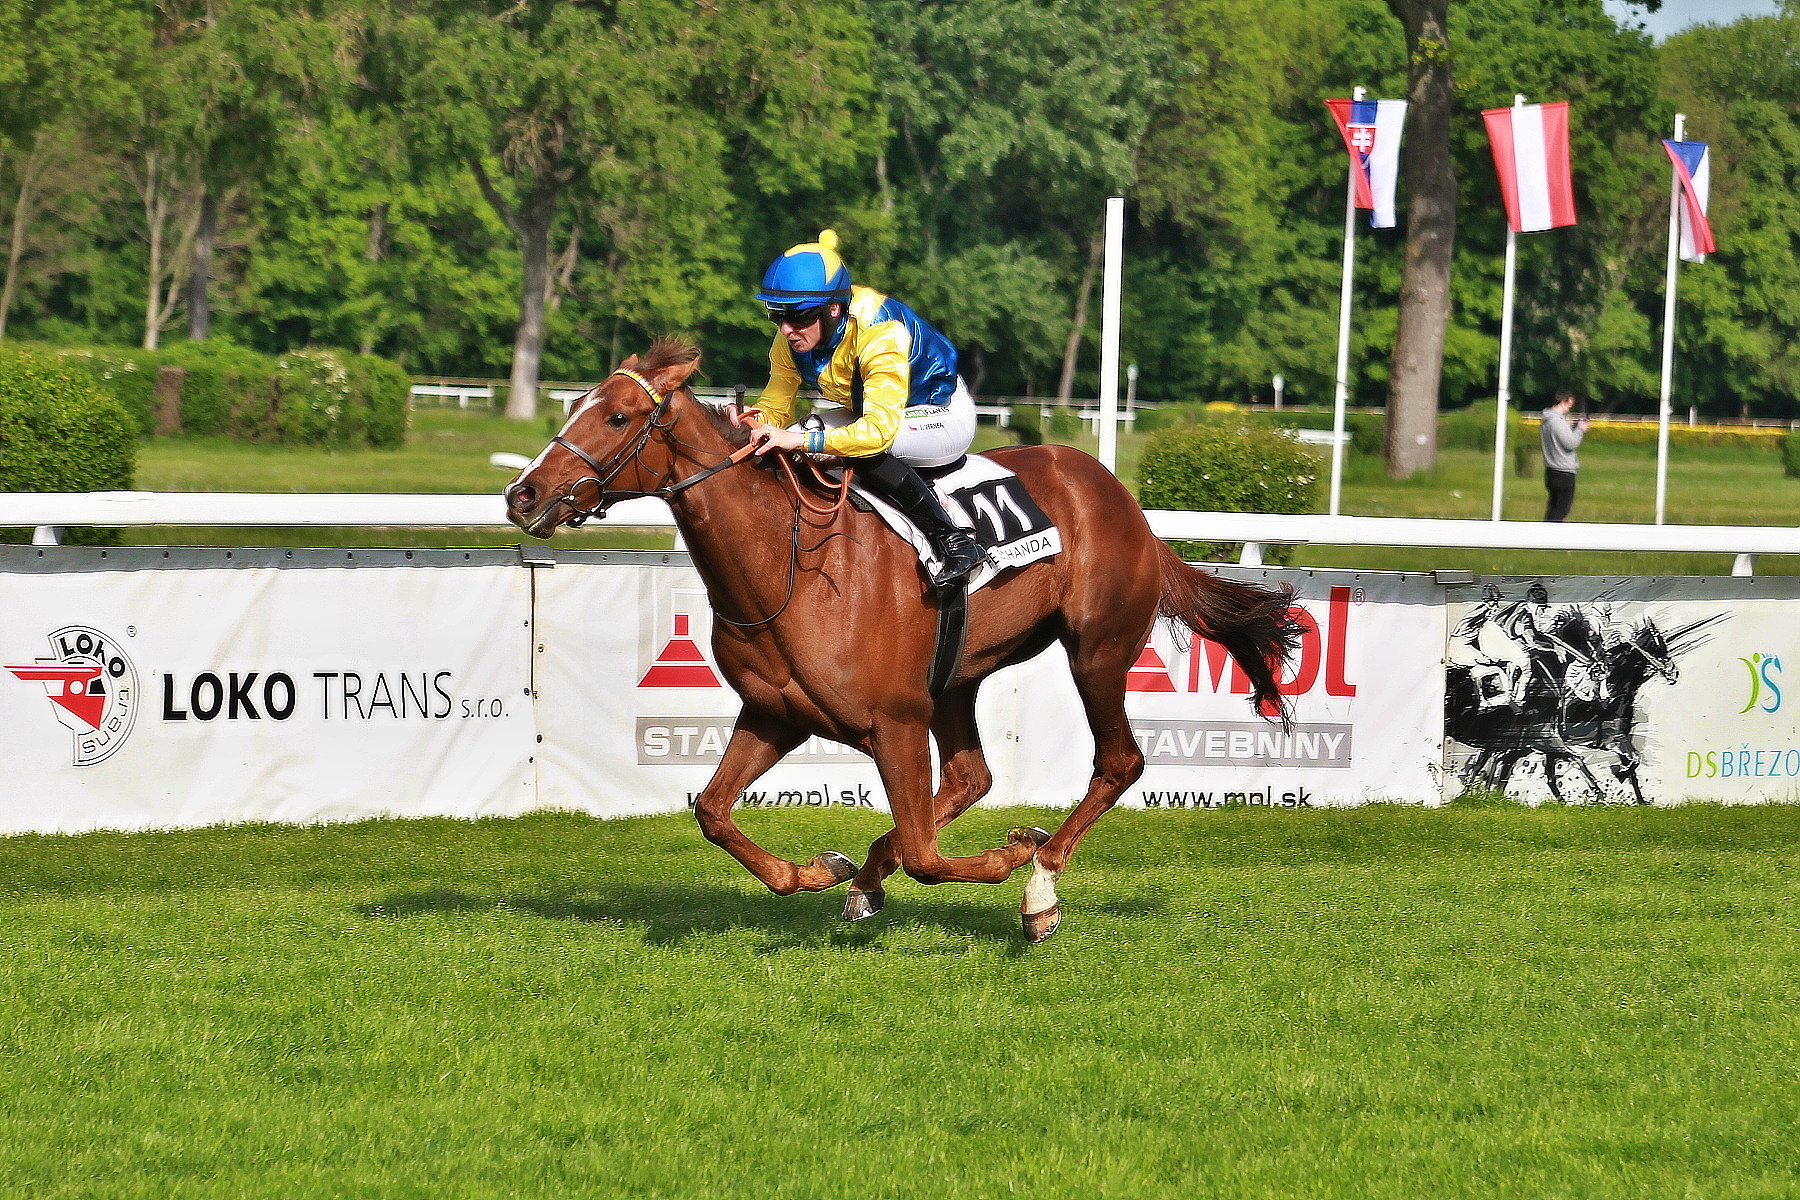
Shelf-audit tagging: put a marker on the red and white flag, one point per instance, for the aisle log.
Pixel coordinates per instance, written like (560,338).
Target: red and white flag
(1531,155)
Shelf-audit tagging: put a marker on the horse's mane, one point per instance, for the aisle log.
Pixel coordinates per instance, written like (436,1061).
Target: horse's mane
(673,352)
(666,352)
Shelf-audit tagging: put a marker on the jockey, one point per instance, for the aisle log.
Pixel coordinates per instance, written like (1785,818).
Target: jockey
(903,404)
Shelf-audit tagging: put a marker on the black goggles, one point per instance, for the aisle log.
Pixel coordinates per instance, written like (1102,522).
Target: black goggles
(798,318)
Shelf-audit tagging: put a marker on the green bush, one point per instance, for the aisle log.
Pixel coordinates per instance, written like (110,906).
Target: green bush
(315,397)
(1024,424)
(1470,428)
(60,432)
(1227,467)
(314,391)
(386,395)
(1790,454)
(129,375)
(217,374)
(1065,423)
(1368,433)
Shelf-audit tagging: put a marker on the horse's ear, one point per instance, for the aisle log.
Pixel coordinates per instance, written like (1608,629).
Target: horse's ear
(679,373)
(630,364)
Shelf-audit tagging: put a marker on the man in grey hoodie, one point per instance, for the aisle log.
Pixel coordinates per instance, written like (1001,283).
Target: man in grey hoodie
(1561,436)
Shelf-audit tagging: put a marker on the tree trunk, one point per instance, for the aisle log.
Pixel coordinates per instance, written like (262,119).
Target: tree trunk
(200,279)
(154,218)
(1425,300)
(534,218)
(1065,388)
(22,214)
(374,251)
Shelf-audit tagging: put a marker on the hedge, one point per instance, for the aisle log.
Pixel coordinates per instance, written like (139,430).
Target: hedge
(309,397)
(60,432)
(1227,467)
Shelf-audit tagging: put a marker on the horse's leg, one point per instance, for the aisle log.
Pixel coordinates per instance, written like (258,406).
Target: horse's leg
(758,743)
(1505,762)
(963,779)
(903,756)
(1100,666)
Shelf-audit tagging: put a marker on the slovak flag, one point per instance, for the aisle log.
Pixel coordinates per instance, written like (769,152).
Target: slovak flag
(1693,167)
(1371,131)
(1531,156)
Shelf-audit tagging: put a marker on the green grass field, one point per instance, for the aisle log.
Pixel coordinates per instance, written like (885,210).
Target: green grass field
(447,451)
(1478,1000)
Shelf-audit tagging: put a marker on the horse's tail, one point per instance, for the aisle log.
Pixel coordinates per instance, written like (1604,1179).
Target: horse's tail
(1258,626)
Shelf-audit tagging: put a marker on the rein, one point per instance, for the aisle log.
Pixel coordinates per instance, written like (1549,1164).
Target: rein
(604,473)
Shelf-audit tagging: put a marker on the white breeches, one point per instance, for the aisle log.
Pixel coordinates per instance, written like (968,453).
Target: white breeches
(929,436)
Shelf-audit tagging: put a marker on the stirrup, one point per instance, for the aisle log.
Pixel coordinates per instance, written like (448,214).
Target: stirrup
(962,554)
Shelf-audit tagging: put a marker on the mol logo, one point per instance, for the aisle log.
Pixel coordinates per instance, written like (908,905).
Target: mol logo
(92,688)
(1322,660)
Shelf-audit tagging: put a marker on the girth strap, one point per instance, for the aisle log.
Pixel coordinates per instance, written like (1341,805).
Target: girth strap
(952,633)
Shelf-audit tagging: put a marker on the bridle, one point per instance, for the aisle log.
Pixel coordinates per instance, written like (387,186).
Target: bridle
(605,473)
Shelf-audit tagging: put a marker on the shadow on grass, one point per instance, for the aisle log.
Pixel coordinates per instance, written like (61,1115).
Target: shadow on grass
(674,913)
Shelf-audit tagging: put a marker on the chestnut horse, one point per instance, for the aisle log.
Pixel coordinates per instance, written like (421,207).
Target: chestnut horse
(826,625)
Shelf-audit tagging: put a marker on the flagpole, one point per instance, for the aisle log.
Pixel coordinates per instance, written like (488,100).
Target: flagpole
(1668,354)
(1505,389)
(1111,279)
(1342,392)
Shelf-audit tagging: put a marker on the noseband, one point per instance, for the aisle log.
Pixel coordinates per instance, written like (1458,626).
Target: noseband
(605,473)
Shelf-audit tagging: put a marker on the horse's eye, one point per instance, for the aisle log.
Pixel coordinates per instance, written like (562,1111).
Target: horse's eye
(617,419)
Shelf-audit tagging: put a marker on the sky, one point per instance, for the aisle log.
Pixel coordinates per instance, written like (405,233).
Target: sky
(1677,15)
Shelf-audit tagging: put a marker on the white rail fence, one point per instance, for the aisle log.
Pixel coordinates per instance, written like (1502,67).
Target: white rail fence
(49,513)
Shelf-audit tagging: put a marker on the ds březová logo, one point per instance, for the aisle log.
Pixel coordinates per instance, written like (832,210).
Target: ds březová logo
(92,688)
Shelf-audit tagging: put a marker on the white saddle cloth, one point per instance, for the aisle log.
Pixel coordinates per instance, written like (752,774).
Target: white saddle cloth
(984,497)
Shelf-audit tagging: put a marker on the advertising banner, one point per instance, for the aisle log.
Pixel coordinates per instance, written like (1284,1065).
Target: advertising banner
(188,695)
(154,689)
(1365,689)
(633,712)
(1615,690)
(634,715)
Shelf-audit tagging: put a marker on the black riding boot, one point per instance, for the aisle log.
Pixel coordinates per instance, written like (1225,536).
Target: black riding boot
(903,487)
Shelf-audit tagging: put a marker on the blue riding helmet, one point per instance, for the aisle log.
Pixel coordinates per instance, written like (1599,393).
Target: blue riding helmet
(807,276)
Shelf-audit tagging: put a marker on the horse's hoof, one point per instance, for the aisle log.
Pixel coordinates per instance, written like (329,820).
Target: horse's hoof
(1039,926)
(860,905)
(840,867)
(1036,836)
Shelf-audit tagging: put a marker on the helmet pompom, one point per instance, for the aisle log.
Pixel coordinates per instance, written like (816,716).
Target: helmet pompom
(828,239)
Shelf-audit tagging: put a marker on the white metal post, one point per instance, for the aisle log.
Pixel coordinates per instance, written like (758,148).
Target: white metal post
(1668,354)
(1341,394)
(1109,333)
(1505,389)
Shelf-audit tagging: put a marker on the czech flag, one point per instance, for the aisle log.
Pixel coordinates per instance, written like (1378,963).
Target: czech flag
(1693,167)
(1531,156)
(1371,132)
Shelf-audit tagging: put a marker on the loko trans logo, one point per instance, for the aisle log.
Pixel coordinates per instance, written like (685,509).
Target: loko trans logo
(92,688)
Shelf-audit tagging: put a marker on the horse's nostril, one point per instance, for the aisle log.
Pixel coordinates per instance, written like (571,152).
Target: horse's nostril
(522,496)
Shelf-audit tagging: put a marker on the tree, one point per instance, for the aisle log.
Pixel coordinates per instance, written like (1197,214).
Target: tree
(586,121)
(1740,87)
(1425,296)
(1012,121)
(66,65)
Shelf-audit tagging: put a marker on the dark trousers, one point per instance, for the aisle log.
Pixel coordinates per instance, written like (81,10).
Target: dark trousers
(1561,486)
